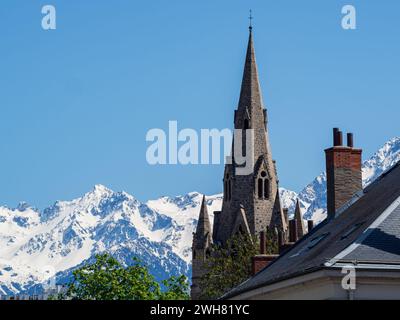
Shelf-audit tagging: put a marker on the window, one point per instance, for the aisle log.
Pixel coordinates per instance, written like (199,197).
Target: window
(260,187)
(263,174)
(246,124)
(266,189)
(263,186)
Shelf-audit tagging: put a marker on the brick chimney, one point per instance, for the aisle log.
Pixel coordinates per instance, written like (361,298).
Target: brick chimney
(343,170)
(261,260)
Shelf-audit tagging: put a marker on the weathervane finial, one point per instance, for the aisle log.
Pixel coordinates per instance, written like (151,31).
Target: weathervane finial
(251,21)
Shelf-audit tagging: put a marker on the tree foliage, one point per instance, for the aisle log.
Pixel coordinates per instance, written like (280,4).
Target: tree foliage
(107,279)
(271,241)
(230,264)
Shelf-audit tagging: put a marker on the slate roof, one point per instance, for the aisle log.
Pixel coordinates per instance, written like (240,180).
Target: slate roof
(366,231)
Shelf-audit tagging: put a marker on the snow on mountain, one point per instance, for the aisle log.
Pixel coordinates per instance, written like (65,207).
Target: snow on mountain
(385,158)
(35,245)
(288,198)
(184,210)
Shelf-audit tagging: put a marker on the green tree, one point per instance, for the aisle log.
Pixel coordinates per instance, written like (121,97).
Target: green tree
(230,264)
(107,279)
(177,288)
(271,241)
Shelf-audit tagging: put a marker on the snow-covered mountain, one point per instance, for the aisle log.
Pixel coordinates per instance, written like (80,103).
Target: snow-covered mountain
(313,196)
(35,245)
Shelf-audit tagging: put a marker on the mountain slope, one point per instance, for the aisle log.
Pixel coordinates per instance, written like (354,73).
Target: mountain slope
(35,245)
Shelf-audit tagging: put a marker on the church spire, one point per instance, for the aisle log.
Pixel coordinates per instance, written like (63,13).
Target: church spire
(256,190)
(250,93)
(203,230)
(278,219)
(202,240)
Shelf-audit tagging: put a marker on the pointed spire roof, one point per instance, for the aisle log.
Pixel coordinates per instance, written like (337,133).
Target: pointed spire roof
(250,93)
(203,229)
(278,218)
(301,230)
(241,224)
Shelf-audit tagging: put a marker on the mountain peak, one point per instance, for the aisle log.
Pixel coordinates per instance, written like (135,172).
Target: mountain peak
(385,158)
(22,206)
(101,188)
(99,191)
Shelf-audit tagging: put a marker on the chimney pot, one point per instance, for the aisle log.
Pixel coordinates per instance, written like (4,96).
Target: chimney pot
(340,138)
(335,136)
(350,140)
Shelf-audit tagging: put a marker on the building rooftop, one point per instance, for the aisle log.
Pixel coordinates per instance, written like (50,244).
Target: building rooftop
(365,232)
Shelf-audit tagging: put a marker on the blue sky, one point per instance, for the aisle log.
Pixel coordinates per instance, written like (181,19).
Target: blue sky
(76,102)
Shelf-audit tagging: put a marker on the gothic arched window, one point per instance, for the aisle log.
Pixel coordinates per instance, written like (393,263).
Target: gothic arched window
(260,187)
(263,186)
(266,189)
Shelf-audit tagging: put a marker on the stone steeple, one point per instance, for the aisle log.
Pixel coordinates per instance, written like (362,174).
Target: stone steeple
(250,93)
(254,192)
(251,202)
(278,220)
(202,240)
(203,237)
(301,230)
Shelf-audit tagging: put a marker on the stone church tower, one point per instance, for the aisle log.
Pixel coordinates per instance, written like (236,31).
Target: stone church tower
(251,202)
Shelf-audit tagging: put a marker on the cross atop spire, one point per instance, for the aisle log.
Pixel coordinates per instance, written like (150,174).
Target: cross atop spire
(251,21)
